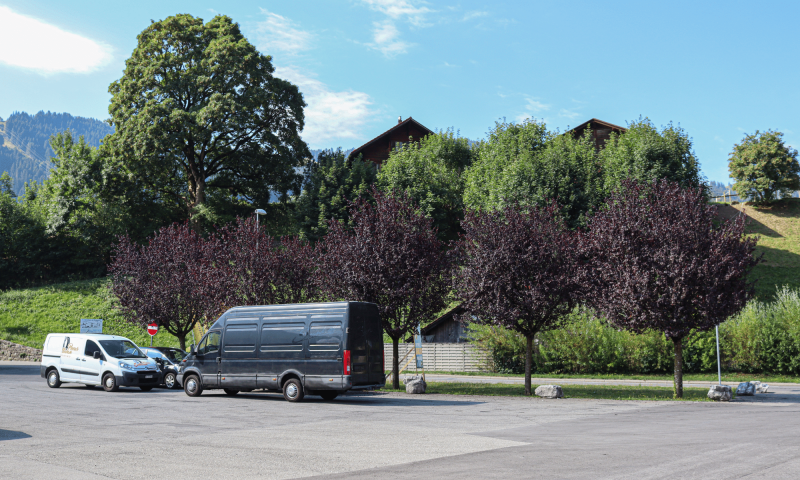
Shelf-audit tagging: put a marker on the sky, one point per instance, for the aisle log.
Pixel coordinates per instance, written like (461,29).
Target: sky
(718,69)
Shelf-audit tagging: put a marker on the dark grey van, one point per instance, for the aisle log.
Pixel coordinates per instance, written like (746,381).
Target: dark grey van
(303,349)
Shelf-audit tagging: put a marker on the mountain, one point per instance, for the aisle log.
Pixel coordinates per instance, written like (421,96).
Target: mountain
(25,142)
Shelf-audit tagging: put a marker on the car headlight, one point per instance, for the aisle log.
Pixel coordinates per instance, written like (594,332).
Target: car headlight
(126,366)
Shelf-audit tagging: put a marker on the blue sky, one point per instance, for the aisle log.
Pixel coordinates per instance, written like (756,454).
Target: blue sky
(719,69)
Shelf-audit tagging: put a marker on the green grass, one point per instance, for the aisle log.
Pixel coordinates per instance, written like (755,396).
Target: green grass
(601,392)
(28,315)
(778,229)
(687,377)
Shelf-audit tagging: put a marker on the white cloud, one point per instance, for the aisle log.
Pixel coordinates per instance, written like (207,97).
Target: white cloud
(568,114)
(330,116)
(386,39)
(535,106)
(397,9)
(475,14)
(279,34)
(30,43)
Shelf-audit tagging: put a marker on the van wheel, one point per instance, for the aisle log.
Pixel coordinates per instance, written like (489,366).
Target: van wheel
(293,390)
(146,389)
(192,386)
(230,391)
(110,383)
(328,395)
(169,381)
(53,379)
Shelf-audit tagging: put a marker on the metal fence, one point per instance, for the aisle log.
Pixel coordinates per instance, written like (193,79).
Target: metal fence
(442,357)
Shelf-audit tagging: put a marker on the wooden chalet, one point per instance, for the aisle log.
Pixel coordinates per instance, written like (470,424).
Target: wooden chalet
(378,149)
(601,131)
(445,329)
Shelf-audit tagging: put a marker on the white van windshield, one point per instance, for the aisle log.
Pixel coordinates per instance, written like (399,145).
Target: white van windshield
(121,349)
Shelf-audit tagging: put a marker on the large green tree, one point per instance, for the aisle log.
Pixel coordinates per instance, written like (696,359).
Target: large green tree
(198,110)
(524,164)
(765,169)
(330,185)
(646,154)
(430,172)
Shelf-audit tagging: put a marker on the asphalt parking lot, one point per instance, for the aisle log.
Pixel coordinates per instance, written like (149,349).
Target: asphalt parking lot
(76,432)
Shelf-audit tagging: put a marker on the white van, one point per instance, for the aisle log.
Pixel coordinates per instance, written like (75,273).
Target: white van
(97,359)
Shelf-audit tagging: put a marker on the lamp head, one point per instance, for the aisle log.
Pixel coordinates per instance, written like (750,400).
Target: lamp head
(260,212)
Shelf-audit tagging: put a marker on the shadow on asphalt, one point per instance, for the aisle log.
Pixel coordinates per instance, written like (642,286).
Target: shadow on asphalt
(20,369)
(12,435)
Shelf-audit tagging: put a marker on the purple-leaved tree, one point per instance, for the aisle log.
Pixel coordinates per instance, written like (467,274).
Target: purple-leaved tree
(391,258)
(256,269)
(660,260)
(520,270)
(170,281)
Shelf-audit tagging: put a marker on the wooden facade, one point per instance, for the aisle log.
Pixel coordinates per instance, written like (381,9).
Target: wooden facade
(601,131)
(445,329)
(378,149)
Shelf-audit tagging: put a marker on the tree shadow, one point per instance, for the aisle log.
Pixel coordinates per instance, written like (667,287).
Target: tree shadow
(753,227)
(12,435)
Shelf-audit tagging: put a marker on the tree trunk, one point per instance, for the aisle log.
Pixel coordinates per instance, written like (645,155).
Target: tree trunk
(182,339)
(678,367)
(528,364)
(396,363)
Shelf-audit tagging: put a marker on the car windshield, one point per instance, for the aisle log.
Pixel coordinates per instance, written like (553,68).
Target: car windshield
(122,349)
(176,355)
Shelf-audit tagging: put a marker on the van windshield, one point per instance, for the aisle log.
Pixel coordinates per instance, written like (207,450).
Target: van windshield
(121,349)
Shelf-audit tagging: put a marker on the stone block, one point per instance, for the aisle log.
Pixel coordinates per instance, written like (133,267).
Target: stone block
(549,391)
(745,389)
(720,393)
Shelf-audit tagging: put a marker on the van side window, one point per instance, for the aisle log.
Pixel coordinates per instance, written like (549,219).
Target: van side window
(91,347)
(210,344)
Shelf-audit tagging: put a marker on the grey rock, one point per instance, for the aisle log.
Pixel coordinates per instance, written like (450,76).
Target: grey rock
(762,388)
(549,391)
(745,389)
(720,393)
(415,385)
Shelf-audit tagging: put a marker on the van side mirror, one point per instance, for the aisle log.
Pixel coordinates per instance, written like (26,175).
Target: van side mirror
(97,355)
(194,349)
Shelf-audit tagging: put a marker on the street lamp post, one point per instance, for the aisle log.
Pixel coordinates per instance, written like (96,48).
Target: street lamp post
(258,212)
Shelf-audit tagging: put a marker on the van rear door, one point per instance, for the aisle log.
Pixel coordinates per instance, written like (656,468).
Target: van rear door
(365,342)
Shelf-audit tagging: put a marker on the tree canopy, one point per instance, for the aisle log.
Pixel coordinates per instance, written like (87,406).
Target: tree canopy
(329,186)
(646,154)
(199,110)
(430,172)
(765,169)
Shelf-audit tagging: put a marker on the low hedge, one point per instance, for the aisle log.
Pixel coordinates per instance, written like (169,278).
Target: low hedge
(762,338)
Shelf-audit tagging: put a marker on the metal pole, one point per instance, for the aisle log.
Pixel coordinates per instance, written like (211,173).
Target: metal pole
(719,365)
(151,340)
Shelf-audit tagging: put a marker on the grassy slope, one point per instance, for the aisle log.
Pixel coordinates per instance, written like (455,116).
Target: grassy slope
(778,229)
(28,315)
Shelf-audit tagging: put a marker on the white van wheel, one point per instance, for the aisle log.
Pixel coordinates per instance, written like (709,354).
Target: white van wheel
(53,379)
(110,383)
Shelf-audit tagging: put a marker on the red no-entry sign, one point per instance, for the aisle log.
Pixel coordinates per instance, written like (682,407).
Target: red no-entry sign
(152,329)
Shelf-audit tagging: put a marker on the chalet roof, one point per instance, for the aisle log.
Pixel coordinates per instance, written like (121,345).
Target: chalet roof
(446,317)
(405,122)
(585,124)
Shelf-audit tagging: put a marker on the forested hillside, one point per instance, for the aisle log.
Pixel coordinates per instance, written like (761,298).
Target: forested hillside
(25,150)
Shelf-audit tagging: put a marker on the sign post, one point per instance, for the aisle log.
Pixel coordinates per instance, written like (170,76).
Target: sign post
(152,329)
(91,325)
(418,351)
